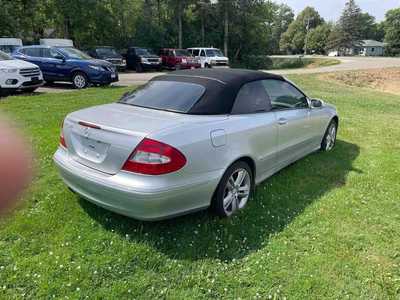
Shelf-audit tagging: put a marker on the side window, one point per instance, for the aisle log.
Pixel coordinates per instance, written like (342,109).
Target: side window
(33,52)
(252,98)
(196,52)
(202,53)
(283,95)
(49,53)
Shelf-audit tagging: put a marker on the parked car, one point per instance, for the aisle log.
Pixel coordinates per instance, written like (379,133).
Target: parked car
(109,54)
(141,59)
(17,75)
(68,64)
(177,59)
(9,45)
(189,140)
(209,57)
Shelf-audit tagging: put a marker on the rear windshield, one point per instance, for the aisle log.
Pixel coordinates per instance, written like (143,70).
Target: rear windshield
(182,52)
(166,95)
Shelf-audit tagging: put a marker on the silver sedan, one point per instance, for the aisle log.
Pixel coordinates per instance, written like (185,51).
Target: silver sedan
(191,140)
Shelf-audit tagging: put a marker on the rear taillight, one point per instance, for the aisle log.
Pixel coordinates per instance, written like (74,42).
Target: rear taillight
(62,140)
(154,158)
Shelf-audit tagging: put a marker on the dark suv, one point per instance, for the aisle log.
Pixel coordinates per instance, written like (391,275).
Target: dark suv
(109,54)
(141,59)
(68,64)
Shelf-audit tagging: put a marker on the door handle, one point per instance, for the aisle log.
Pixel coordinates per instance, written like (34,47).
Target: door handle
(282,121)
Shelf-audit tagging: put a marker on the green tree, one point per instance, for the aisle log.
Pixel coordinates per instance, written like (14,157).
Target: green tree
(318,38)
(370,30)
(293,40)
(281,19)
(392,29)
(348,32)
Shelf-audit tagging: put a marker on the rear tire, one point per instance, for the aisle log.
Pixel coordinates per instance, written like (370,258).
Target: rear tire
(79,80)
(329,140)
(234,190)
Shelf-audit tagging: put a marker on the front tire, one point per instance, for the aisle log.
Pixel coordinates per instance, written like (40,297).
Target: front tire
(79,80)
(234,190)
(329,140)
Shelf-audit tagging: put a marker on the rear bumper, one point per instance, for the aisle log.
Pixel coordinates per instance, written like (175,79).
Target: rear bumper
(129,198)
(189,66)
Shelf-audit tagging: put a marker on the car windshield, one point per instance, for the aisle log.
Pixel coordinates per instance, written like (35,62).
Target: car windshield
(214,52)
(181,52)
(4,56)
(107,52)
(74,53)
(166,95)
(144,51)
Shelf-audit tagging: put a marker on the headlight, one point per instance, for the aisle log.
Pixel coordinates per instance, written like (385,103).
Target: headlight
(9,70)
(213,62)
(97,68)
(124,61)
(143,59)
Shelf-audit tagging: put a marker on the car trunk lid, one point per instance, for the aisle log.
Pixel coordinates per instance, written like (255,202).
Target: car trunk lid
(104,137)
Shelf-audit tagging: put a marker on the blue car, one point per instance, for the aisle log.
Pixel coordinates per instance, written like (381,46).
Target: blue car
(68,64)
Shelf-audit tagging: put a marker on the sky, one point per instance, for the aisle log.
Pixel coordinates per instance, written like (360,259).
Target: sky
(331,10)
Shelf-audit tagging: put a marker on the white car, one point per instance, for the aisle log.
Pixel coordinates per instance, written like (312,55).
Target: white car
(18,75)
(209,57)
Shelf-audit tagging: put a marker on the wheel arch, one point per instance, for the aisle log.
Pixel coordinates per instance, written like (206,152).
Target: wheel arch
(77,70)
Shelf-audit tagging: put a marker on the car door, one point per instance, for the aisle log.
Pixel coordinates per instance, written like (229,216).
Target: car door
(292,113)
(254,128)
(54,64)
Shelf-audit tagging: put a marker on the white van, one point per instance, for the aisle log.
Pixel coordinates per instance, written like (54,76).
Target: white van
(209,57)
(18,75)
(57,42)
(8,45)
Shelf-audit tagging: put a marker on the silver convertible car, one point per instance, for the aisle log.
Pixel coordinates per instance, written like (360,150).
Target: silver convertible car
(191,140)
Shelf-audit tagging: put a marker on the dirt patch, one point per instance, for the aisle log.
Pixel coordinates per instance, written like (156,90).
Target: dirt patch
(386,80)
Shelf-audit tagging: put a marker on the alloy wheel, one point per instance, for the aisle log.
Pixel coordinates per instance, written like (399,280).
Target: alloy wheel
(79,81)
(330,137)
(237,191)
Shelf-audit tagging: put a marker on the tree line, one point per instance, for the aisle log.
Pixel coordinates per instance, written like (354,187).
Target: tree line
(239,27)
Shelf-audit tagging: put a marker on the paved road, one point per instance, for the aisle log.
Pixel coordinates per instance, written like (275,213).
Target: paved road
(347,64)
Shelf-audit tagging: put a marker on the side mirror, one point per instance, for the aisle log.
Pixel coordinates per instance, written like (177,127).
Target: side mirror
(60,57)
(316,103)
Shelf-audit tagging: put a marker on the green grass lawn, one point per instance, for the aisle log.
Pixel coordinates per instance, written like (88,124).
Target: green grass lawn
(328,226)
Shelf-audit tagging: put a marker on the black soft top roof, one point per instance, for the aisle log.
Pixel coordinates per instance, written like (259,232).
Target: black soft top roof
(222,86)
